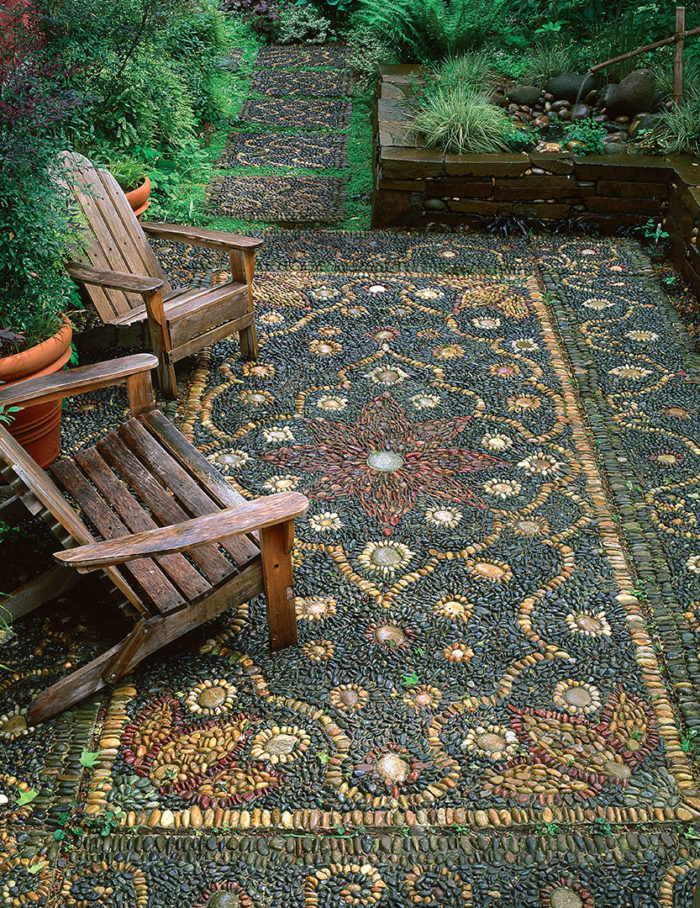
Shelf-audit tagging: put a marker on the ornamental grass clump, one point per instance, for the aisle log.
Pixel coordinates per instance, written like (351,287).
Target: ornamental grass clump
(473,70)
(458,119)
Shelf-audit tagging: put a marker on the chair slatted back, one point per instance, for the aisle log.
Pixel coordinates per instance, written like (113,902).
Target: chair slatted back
(112,238)
(36,483)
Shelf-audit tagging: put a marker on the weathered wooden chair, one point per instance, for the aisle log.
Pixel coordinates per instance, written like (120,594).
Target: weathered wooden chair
(130,506)
(120,274)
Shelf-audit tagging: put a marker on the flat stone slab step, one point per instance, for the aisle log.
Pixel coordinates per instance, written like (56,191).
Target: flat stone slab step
(293,84)
(297,113)
(317,152)
(300,57)
(283,199)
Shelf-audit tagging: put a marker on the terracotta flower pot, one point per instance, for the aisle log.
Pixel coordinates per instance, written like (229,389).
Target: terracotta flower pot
(38,429)
(138,198)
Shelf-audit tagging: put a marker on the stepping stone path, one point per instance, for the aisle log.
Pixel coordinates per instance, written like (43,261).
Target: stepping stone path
(287,162)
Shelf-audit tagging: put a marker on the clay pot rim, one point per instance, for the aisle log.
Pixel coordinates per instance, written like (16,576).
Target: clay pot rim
(144,184)
(139,198)
(35,359)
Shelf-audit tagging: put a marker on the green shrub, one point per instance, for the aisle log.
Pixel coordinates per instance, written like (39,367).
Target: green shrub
(301,22)
(425,30)
(35,227)
(520,140)
(144,67)
(367,51)
(458,119)
(588,133)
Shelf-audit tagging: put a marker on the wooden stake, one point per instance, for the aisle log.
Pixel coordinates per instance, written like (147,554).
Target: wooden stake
(678,55)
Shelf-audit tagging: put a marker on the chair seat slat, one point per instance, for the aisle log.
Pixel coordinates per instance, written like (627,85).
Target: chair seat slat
(161,504)
(185,577)
(144,571)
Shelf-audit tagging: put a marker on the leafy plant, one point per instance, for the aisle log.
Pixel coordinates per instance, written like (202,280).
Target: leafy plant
(34,215)
(302,23)
(519,139)
(457,119)
(432,29)
(549,28)
(367,51)
(588,135)
(6,417)
(262,14)
(127,172)
(652,231)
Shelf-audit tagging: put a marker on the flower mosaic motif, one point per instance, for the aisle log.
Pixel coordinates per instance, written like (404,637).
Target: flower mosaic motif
(385,460)
(196,762)
(574,754)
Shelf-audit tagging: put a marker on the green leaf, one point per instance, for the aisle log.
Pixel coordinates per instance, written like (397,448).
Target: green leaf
(36,868)
(26,797)
(410,679)
(323,757)
(90,758)
(59,835)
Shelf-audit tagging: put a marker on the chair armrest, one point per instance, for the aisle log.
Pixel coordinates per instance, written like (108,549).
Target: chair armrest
(75,381)
(116,280)
(179,537)
(199,236)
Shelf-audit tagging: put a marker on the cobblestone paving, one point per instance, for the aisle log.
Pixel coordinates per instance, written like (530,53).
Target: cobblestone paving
(293,124)
(494,695)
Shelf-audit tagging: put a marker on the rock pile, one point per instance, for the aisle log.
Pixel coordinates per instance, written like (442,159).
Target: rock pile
(621,109)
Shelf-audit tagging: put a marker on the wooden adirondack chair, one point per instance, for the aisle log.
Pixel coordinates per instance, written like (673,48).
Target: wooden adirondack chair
(129,506)
(122,278)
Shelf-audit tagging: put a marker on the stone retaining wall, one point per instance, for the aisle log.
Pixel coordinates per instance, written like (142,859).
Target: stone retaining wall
(416,186)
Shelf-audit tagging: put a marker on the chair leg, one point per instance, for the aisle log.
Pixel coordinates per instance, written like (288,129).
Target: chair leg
(248,338)
(243,270)
(160,341)
(167,380)
(276,553)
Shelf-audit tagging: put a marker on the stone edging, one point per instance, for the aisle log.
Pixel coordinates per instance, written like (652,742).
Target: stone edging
(416,186)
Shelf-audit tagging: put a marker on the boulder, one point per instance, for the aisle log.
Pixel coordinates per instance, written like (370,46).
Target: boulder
(524,94)
(607,93)
(580,111)
(567,86)
(644,123)
(633,94)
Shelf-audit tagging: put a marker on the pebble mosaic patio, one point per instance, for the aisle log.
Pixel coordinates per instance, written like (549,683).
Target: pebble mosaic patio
(477,704)
(494,696)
